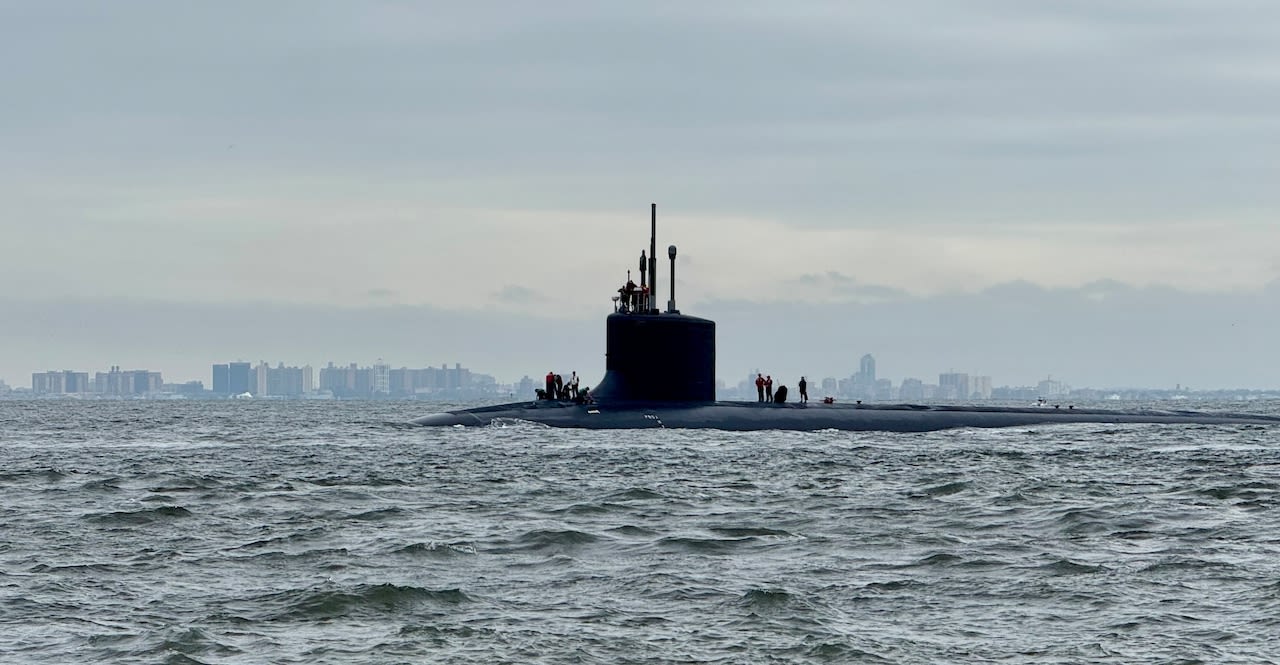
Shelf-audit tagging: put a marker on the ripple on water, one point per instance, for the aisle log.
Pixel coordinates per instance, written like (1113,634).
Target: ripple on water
(331,601)
(138,517)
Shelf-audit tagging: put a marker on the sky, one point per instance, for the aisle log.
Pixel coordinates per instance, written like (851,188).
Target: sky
(1079,189)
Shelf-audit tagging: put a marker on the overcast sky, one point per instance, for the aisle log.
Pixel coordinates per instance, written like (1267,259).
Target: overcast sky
(816,162)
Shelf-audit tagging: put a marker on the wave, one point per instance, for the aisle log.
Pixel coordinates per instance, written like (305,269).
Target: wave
(549,541)
(750,531)
(135,517)
(297,557)
(438,550)
(1069,567)
(51,474)
(705,545)
(377,515)
(330,603)
(757,599)
(187,484)
(102,484)
(947,489)
(636,494)
(176,645)
(588,508)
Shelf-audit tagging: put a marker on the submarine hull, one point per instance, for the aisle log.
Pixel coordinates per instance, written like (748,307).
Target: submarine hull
(749,416)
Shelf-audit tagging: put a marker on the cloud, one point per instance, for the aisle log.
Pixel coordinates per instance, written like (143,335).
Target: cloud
(518,295)
(838,287)
(923,147)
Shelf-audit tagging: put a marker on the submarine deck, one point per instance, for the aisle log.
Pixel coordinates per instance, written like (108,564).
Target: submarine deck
(810,416)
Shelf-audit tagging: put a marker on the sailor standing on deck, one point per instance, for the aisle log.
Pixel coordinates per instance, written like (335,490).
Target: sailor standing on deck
(768,388)
(804,390)
(759,388)
(573,385)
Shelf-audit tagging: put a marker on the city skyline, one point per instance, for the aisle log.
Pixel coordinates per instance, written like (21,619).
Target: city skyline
(381,378)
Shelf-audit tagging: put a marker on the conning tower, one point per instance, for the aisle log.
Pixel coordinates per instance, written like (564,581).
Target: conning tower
(652,355)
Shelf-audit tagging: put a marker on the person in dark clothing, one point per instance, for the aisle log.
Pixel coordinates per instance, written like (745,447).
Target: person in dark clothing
(781,395)
(559,387)
(768,388)
(804,390)
(759,388)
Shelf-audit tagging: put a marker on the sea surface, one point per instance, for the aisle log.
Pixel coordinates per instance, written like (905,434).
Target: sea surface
(331,532)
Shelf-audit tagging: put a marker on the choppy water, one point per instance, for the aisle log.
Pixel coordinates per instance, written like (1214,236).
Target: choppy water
(294,532)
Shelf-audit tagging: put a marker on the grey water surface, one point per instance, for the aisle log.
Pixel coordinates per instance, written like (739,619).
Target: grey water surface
(330,532)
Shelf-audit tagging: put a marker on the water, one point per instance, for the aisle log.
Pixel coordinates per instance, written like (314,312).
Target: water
(302,532)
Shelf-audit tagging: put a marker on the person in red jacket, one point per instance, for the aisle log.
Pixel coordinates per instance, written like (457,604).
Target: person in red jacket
(759,388)
(768,388)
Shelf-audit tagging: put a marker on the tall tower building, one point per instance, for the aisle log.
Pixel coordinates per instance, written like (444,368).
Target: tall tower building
(867,368)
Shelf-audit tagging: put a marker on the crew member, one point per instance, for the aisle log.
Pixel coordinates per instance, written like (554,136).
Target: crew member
(804,390)
(759,388)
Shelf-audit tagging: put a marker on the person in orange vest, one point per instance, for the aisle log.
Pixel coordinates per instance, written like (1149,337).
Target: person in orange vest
(768,388)
(759,388)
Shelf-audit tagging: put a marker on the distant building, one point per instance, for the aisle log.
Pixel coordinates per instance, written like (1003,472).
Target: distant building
(127,382)
(221,380)
(953,385)
(345,382)
(240,378)
(911,389)
(189,389)
(380,378)
(1050,388)
(281,381)
(980,387)
(65,382)
(867,368)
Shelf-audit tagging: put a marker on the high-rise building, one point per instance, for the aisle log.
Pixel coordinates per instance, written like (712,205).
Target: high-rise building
(867,368)
(953,385)
(381,378)
(1053,388)
(240,378)
(284,381)
(221,385)
(863,382)
(349,381)
(980,387)
(127,382)
(65,382)
(911,389)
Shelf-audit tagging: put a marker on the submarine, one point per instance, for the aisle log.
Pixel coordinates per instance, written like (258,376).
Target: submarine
(660,372)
